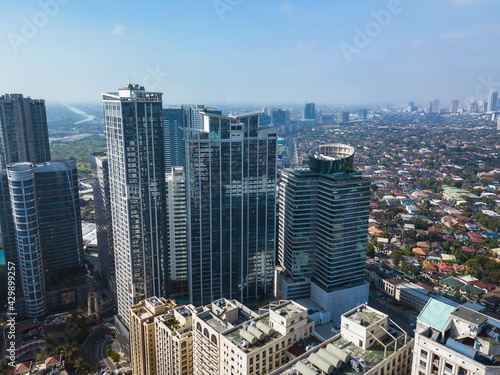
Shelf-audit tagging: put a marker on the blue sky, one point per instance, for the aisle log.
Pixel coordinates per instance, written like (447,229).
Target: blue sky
(252,51)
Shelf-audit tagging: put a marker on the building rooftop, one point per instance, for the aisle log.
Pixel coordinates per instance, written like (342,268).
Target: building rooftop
(437,312)
(364,316)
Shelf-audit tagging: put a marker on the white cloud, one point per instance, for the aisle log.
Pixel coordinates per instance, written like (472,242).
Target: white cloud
(118,29)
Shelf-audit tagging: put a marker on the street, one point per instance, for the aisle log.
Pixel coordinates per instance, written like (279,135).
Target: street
(403,318)
(94,352)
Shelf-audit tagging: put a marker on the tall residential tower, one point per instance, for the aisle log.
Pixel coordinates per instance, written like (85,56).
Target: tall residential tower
(134,135)
(24,135)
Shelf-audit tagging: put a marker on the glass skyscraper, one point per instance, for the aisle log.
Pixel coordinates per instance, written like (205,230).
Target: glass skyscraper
(175,118)
(134,136)
(323,227)
(231,184)
(24,135)
(41,229)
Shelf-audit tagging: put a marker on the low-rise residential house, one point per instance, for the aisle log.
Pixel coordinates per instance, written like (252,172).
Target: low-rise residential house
(424,245)
(471,292)
(428,265)
(461,236)
(491,301)
(419,252)
(448,258)
(433,276)
(434,256)
(467,250)
(481,285)
(450,284)
(437,246)
(445,267)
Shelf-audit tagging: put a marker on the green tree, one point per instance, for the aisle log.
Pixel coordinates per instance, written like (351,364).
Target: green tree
(81,367)
(69,352)
(370,250)
(396,257)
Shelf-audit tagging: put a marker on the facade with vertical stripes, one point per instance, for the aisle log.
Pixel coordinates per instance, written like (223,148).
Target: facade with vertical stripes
(134,136)
(230,187)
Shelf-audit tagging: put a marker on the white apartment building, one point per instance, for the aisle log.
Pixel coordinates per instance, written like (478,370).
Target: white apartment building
(453,340)
(231,339)
(174,341)
(367,344)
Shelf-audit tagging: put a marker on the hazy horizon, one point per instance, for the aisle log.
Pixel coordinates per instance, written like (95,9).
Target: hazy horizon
(236,52)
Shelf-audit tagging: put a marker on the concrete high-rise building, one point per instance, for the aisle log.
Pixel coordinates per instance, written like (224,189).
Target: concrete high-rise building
(452,339)
(310,111)
(492,101)
(412,107)
(433,106)
(24,135)
(229,338)
(102,203)
(454,106)
(174,119)
(322,232)
(43,236)
(174,341)
(344,117)
(142,333)
(473,106)
(177,232)
(280,117)
(134,135)
(231,182)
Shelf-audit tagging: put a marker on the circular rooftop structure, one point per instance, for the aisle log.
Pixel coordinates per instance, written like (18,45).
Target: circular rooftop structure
(332,158)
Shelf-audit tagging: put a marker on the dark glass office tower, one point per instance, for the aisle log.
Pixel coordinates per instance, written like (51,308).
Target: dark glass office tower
(231,182)
(42,229)
(102,202)
(134,136)
(175,118)
(323,227)
(24,135)
(174,147)
(310,111)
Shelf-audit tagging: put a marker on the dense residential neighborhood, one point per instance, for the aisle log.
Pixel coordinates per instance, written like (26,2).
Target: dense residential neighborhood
(434,215)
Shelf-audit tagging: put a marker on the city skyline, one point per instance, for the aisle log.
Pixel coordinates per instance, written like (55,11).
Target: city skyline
(377,52)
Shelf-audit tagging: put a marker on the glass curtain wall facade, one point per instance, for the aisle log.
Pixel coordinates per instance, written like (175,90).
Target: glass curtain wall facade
(231,182)
(134,136)
(24,135)
(323,223)
(42,230)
